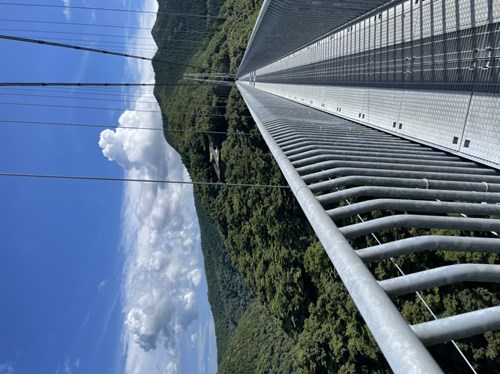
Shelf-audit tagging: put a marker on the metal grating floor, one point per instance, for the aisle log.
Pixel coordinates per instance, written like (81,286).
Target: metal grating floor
(345,172)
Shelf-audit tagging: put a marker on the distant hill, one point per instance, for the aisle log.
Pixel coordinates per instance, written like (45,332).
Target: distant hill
(180,31)
(180,37)
(228,294)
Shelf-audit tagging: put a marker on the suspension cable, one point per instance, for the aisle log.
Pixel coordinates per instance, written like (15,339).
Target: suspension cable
(102,51)
(116,46)
(80,7)
(148,29)
(160,181)
(130,40)
(114,42)
(89,84)
(110,109)
(78,98)
(83,92)
(76,33)
(116,127)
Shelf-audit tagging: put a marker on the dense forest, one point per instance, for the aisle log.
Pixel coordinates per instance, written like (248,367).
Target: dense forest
(279,305)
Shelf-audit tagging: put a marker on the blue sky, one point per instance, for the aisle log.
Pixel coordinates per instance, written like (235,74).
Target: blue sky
(95,277)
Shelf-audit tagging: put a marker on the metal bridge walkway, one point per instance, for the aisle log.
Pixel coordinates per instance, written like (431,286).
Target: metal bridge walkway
(353,181)
(398,76)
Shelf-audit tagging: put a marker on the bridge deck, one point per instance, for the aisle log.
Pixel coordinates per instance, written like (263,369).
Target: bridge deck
(353,182)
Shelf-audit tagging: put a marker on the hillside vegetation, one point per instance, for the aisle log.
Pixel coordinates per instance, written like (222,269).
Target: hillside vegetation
(278,303)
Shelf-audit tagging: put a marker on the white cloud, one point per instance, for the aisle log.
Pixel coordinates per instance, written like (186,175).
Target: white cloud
(165,288)
(102,285)
(67,367)
(7,368)
(137,68)
(67,9)
(168,322)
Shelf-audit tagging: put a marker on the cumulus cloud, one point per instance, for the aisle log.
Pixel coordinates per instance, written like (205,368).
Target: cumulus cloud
(166,305)
(168,322)
(67,9)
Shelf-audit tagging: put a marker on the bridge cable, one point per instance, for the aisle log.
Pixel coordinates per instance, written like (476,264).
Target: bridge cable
(116,127)
(160,181)
(148,29)
(78,98)
(113,44)
(94,34)
(102,51)
(110,109)
(90,84)
(80,7)
(84,93)
(76,33)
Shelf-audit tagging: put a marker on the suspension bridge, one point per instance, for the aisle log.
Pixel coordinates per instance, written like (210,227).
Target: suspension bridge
(383,116)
